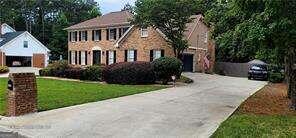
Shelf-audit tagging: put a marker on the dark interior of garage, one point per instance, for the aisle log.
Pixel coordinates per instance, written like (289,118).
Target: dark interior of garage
(18,61)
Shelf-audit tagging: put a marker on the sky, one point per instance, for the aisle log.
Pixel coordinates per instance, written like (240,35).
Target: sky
(107,6)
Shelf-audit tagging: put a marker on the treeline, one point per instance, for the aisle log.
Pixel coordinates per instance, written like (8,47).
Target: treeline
(46,19)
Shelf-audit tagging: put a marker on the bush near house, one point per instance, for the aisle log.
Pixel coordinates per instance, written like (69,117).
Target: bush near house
(129,73)
(166,67)
(276,75)
(64,70)
(4,69)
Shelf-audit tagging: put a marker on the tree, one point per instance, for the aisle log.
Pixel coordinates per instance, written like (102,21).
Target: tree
(42,18)
(170,17)
(246,29)
(128,7)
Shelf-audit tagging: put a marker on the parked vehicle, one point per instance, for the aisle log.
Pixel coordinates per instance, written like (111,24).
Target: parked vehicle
(259,72)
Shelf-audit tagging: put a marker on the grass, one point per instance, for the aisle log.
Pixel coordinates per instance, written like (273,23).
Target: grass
(265,114)
(53,94)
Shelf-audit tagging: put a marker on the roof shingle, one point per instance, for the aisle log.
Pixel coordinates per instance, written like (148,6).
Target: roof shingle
(107,20)
(9,36)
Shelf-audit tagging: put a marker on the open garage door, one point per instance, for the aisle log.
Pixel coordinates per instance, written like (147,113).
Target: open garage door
(187,60)
(18,61)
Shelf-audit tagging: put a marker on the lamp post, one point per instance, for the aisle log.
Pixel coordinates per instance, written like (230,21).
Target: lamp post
(174,80)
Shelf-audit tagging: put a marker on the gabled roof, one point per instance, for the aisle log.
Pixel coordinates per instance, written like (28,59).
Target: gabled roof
(9,36)
(108,20)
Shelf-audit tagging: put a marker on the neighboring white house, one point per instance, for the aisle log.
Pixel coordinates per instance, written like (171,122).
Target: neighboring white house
(21,49)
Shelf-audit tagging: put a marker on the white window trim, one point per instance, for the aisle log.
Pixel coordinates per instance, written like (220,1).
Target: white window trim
(85,33)
(156,54)
(73,57)
(112,35)
(144,32)
(73,36)
(130,55)
(27,44)
(97,35)
(111,58)
(82,57)
(206,37)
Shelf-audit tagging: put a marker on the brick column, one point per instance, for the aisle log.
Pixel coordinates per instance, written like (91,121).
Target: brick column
(22,94)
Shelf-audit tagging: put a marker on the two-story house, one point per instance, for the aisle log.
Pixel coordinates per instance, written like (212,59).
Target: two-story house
(111,39)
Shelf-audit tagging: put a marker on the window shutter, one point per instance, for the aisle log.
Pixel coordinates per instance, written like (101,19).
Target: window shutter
(79,58)
(70,57)
(85,35)
(107,34)
(79,35)
(125,55)
(114,56)
(85,57)
(70,36)
(75,36)
(162,53)
(151,55)
(100,34)
(115,34)
(135,54)
(93,35)
(75,57)
(120,32)
(107,57)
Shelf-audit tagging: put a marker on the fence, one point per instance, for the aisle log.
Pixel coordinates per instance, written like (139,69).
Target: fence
(232,69)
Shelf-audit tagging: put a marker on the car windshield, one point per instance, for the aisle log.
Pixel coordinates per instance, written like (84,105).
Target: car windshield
(258,68)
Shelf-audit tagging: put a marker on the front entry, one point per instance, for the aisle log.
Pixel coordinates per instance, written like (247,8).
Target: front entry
(187,62)
(96,57)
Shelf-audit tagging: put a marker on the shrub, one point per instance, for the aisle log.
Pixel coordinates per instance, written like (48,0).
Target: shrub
(4,69)
(129,73)
(46,72)
(92,73)
(58,68)
(73,72)
(276,77)
(165,67)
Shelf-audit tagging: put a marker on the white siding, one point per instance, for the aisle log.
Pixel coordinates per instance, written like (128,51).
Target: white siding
(16,47)
(6,29)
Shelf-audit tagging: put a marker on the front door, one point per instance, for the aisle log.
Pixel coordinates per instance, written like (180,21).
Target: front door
(187,62)
(96,57)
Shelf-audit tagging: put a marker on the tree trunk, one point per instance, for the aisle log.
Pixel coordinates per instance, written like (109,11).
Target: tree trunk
(293,88)
(289,62)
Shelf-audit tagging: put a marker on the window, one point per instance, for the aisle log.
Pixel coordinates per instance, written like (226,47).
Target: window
(144,32)
(112,34)
(82,57)
(156,54)
(83,35)
(111,57)
(122,31)
(73,36)
(73,58)
(131,55)
(25,44)
(97,35)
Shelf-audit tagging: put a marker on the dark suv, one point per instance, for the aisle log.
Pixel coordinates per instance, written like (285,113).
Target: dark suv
(258,72)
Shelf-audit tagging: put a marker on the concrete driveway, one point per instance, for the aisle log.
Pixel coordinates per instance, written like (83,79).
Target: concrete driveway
(21,70)
(195,110)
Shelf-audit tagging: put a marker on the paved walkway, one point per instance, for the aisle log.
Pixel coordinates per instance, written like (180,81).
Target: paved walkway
(21,70)
(189,111)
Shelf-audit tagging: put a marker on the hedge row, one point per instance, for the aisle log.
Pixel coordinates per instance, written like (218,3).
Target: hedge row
(120,73)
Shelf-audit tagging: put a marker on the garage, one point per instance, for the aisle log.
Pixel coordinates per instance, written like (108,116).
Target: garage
(18,61)
(187,62)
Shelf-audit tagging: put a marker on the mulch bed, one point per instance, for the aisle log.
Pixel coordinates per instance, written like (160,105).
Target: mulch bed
(270,100)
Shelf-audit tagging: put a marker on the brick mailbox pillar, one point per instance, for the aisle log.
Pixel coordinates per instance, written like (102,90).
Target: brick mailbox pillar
(21,94)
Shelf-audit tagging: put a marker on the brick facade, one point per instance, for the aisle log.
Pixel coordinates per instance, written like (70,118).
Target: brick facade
(23,98)
(197,36)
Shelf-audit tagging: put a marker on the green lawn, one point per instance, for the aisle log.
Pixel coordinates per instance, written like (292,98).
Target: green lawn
(54,94)
(257,126)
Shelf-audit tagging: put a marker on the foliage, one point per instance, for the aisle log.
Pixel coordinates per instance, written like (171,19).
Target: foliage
(73,72)
(4,69)
(276,77)
(166,67)
(53,94)
(128,7)
(46,19)
(92,73)
(129,73)
(170,16)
